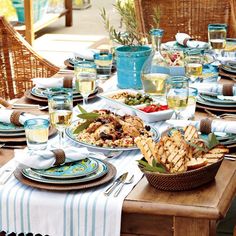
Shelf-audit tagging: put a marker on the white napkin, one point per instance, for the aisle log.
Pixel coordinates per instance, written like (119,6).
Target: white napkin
(182,37)
(211,87)
(50,82)
(44,159)
(86,53)
(6,115)
(216,126)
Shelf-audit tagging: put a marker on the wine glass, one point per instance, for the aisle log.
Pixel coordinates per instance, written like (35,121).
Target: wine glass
(177,93)
(85,73)
(60,105)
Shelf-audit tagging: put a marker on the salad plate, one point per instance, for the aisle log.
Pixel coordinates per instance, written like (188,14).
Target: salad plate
(217,100)
(101,171)
(201,101)
(70,170)
(175,45)
(10,128)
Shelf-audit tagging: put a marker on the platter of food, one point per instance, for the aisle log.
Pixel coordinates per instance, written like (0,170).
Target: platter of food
(181,160)
(144,106)
(105,130)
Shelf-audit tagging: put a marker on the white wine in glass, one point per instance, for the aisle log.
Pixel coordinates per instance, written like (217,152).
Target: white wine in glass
(60,104)
(86,76)
(177,94)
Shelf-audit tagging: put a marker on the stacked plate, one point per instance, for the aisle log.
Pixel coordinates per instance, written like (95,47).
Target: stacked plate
(229,66)
(86,173)
(40,95)
(217,103)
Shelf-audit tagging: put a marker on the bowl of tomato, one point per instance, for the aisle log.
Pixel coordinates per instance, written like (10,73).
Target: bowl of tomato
(154,112)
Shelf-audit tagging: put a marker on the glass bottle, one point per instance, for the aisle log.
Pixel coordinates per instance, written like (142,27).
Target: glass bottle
(155,70)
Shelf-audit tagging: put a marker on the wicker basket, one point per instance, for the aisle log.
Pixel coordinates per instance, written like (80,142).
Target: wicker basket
(183,181)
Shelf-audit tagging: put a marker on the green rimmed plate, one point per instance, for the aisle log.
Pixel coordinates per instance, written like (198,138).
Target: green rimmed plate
(70,170)
(217,100)
(200,100)
(10,128)
(100,172)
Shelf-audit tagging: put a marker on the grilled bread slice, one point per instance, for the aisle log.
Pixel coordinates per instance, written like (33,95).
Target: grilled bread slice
(190,133)
(196,163)
(216,153)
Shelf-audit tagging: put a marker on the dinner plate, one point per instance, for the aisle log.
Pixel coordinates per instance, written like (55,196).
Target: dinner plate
(207,103)
(70,135)
(42,93)
(216,100)
(70,170)
(101,171)
(228,69)
(10,128)
(108,176)
(16,134)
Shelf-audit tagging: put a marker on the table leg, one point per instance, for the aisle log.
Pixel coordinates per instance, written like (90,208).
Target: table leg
(194,227)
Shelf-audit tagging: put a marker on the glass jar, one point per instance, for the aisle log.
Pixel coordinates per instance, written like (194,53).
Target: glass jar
(155,70)
(217,36)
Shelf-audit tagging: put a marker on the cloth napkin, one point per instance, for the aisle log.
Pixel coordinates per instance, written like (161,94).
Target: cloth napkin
(211,87)
(216,125)
(185,40)
(50,82)
(46,158)
(5,116)
(86,53)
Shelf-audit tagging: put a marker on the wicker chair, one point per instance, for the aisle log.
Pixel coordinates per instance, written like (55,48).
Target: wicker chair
(19,63)
(187,16)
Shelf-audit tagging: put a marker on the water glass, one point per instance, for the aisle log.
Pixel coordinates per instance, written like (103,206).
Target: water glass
(36,131)
(103,61)
(177,94)
(60,105)
(85,73)
(189,112)
(193,63)
(217,36)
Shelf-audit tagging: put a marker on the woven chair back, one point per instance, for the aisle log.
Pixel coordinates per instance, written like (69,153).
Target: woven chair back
(19,63)
(187,16)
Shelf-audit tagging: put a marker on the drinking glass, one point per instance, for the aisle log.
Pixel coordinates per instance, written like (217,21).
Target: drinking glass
(193,63)
(177,93)
(36,132)
(85,73)
(60,105)
(217,36)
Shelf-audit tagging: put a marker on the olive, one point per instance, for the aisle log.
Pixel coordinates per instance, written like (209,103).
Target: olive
(147,127)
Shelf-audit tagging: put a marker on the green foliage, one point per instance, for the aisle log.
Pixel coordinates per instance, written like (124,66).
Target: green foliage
(132,35)
(155,167)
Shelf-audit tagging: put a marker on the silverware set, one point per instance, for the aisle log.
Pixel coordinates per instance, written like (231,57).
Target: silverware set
(30,106)
(5,175)
(226,116)
(120,183)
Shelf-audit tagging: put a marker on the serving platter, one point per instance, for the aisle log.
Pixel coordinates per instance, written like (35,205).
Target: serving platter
(101,171)
(72,136)
(111,173)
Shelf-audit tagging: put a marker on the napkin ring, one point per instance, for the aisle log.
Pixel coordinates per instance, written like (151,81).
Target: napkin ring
(227,90)
(4,102)
(15,118)
(205,126)
(67,82)
(60,156)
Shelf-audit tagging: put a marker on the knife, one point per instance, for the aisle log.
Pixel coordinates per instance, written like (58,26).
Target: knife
(116,183)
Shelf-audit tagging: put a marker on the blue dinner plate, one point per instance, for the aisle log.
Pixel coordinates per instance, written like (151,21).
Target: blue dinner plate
(10,128)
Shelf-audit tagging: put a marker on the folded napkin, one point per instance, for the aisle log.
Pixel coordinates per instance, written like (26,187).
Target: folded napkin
(66,82)
(86,53)
(220,89)
(17,117)
(214,126)
(44,159)
(185,40)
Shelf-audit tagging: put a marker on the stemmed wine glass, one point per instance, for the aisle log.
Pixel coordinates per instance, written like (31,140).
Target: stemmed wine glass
(60,105)
(177,94)
(85,73)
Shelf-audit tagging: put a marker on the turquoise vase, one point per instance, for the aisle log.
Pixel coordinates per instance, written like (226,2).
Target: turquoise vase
(130,60)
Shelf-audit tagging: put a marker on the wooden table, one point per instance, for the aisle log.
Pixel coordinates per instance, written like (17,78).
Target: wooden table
(147,211)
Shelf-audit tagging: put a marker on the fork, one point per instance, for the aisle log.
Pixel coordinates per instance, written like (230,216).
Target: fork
(19,105)
(129,181)
(222,116)
(5,175)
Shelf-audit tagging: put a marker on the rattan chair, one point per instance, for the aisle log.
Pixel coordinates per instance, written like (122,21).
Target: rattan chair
(187,16)
(19,63)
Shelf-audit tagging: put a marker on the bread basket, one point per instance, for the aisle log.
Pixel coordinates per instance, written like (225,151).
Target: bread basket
(183,181)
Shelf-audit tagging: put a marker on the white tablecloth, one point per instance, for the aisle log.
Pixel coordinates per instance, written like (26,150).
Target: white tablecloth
(85,213)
